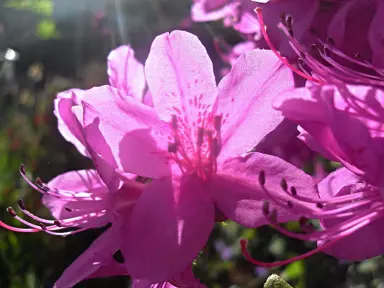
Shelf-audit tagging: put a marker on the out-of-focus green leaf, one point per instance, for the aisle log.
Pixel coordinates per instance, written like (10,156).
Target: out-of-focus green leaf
(41,7)
(248,234)
(46,29)
(294,270)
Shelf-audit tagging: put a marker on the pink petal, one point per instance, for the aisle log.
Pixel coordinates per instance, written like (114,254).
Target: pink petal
(245,100)
(169,226)
(185,279)
(95,257)
(248,23)
(180,76)
(240,197)
(91,195)
(66,121)
(353,247)
(125,72)
(125,134)
(301,104)
(109,269)
(357,246)
(212,10)
(334,182)
(335,118)
(314,145)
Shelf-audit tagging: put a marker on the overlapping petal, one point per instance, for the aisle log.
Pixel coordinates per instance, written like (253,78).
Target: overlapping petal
(90,193)
(94,258)
(240,196)
(66,121)
(131,139)
(126,73)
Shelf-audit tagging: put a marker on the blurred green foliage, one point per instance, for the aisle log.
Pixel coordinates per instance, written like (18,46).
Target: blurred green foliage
(42,7)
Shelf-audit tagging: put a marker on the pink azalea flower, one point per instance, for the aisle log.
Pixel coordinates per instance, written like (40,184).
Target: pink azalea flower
(191,143)
(344,123)
(80,200)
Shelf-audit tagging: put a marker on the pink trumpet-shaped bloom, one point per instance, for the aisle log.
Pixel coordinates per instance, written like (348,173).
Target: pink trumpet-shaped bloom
(191,143)
(344,123)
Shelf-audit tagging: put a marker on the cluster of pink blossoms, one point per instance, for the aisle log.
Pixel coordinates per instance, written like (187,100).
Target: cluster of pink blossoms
(193,141)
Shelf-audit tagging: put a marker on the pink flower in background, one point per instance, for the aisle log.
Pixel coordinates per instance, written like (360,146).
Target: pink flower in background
(236,13)
(336,59)
(344,123)
(230,54)
(362,37)
(240,15)
(191,143)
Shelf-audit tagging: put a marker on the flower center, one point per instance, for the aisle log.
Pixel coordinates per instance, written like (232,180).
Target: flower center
(196,150)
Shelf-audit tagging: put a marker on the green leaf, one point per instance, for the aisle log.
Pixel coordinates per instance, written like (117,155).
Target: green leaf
(41,7)
(294,270)
(46,29)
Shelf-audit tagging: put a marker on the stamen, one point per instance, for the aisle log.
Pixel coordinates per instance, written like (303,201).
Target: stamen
(11,212)
(266,208)
(20,202)
(200,137)
(18,230)
(258,11)
(356,226)
(262,177)
(284,184)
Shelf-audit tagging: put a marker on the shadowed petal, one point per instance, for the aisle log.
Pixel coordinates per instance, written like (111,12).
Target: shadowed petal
(334,182)
(245,101)
(239,195)
(97,255)
(355,246)
(131,138)
(178,217)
